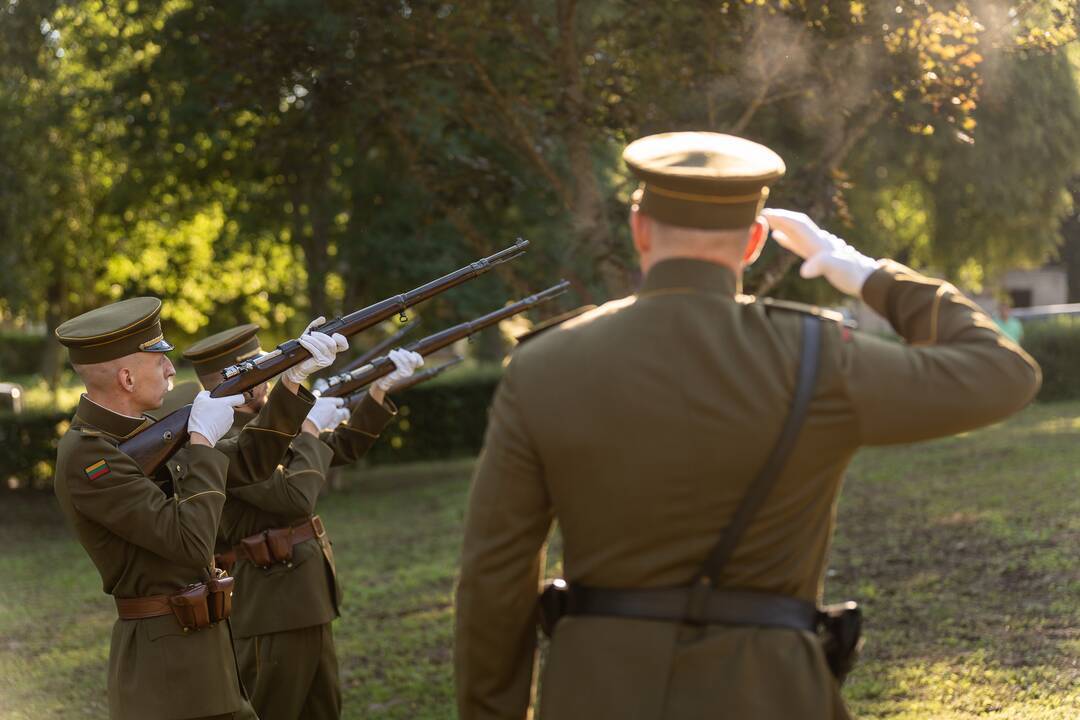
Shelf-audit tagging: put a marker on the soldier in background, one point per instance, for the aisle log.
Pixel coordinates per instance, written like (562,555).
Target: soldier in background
(152,538)
(287,591)
(641,426)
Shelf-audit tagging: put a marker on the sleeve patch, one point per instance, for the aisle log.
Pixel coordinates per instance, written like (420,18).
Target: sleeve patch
(98,470)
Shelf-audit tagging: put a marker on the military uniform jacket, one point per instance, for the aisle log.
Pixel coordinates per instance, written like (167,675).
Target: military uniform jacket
(305,592)
(639,427)
(150,536)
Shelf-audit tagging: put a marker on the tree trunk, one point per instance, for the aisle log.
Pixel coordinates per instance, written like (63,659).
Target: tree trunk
(1070,250)
(316,259)
(52,361)
(588,212)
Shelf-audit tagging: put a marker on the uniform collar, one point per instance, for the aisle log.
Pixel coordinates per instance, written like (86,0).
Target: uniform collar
(112,423)
(690,274)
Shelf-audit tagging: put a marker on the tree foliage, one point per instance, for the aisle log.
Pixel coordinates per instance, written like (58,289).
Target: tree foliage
(271,161)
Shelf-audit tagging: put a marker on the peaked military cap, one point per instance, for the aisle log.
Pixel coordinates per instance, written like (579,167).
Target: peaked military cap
(113,331)
(220,350)
(702,179)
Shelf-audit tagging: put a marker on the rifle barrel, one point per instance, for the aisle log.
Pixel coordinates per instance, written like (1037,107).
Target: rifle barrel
(344,384)
(250,373)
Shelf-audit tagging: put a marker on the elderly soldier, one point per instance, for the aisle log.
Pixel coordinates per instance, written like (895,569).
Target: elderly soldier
(152,539)
(287,593)
(642,426)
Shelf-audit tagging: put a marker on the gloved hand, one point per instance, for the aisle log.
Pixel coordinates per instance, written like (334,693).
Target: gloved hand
(323,348)
(212,417)
(342,416)
(825,254)
(406,363)
(319,386)
(323,415)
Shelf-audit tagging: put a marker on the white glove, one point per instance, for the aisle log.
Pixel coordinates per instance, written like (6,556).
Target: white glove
(406,363)
(325,412)
(825,254)
(342,416)
(319,386)
(323,348)
(212,417)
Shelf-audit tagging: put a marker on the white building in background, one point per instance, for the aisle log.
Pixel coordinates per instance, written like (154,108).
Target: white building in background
(1047,285)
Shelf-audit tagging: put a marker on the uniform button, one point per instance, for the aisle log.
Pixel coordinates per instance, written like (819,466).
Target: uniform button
(177,468)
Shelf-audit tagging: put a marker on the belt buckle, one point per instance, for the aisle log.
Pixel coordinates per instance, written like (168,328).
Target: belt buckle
(318,527)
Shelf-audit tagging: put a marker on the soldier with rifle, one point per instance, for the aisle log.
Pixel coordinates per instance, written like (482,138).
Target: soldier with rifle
(145,497)
(287,590)
(690,441)
(151,534)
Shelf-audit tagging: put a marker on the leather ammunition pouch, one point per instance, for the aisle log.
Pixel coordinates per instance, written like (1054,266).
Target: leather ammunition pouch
(704,601)
(275,545)
(190,607)
(197,606)
(219,592)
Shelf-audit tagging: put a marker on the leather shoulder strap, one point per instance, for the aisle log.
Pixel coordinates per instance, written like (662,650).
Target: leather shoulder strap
(809,362)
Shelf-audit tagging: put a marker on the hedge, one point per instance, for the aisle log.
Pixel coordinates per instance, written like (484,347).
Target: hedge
(28,448)
(1055,344)
(435,421)
(20,354)
(447,418)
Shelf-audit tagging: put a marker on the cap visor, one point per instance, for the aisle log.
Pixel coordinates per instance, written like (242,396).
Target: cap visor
(159,347)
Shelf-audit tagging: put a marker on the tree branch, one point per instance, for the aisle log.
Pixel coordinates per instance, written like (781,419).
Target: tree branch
(520,132)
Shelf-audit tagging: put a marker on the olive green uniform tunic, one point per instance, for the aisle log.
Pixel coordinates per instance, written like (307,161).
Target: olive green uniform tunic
(152,536)
(282,615)
(639,426)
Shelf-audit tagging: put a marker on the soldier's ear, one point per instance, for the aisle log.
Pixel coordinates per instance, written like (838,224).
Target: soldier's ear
(759,231)
(125,378)
(640,229)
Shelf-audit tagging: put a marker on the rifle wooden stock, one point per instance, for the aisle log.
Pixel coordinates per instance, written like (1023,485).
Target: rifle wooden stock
(153,446)
(380,347)
(409,382)
(345,384)
(250,373)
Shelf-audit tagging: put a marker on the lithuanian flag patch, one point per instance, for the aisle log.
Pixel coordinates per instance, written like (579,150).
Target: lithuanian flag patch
(98,470)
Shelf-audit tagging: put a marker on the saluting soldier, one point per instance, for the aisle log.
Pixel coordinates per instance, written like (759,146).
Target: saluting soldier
(287,591)
(641,426)
(152,538)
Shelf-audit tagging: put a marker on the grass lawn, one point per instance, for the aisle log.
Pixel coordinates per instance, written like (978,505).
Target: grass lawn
(963,553)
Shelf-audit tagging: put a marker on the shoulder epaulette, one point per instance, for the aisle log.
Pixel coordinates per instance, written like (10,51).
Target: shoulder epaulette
(553,323)
(91,432)
(790,306)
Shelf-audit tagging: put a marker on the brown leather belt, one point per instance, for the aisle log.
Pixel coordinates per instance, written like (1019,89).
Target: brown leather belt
(195,607)
(271,546)
(143,607)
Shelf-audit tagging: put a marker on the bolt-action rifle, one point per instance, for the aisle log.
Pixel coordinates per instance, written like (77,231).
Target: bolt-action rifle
(344,384)
(157,443)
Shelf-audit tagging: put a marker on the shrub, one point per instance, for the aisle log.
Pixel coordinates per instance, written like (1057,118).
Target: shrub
(20,354)
(437,420)
(1055,343)
(28,448)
